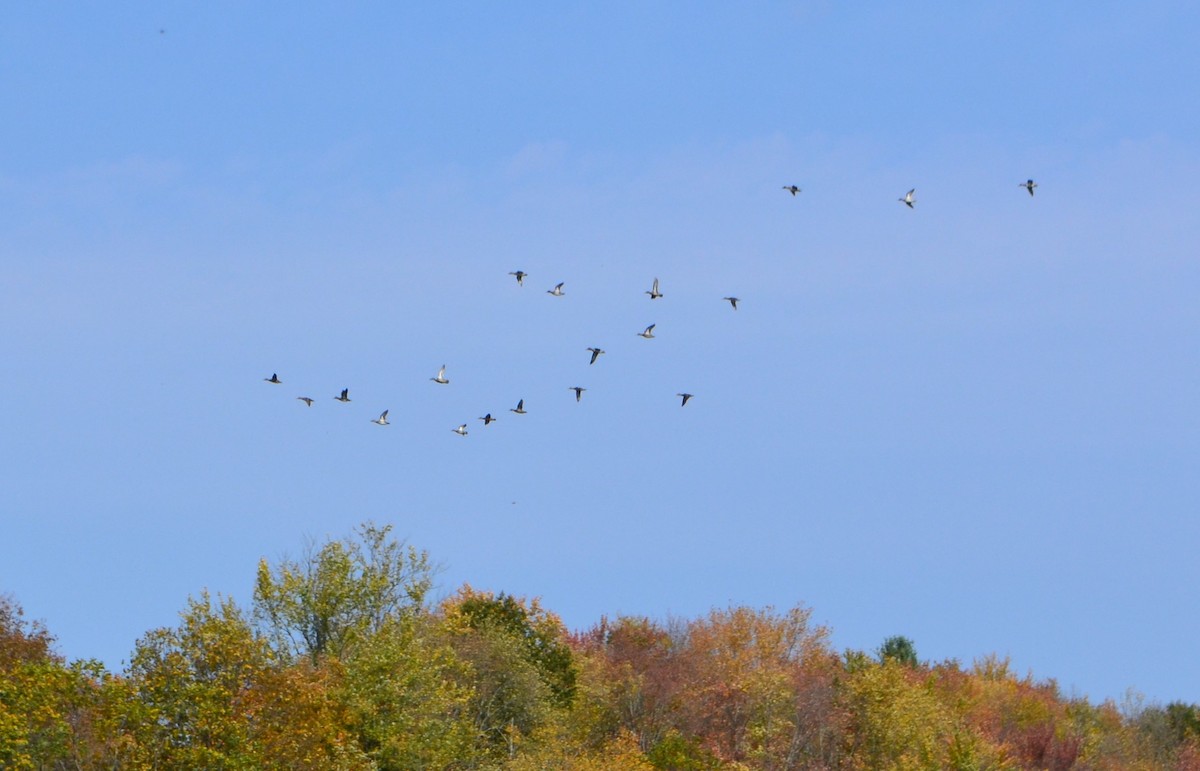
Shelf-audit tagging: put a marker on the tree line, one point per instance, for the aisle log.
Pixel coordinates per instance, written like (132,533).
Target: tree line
(343,662)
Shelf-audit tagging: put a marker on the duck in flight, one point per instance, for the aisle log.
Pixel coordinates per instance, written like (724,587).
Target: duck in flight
(557,290)
(519,409)
(791,189)
(653,291)
(488,419)
(909,198)
(520,274)
(441,376)
(345,397)
(1029,185)
(595,354)
(685,398)
(461,430)
(578,392)
(648,332)
(273,378)
(307,400)
(382,419)
(732,301)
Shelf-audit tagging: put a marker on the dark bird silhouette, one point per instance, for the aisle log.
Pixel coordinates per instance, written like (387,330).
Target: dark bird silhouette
(685,399)
(307,400)
(520,274)
(595,354)
(519,409)
(488,419)
(791,189)
(648,332)
(732,301)
(273,378)
(345,397)
(1029,185)
(578,392)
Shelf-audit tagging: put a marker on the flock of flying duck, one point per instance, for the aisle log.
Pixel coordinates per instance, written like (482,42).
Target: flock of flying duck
(908,199)
(488,419)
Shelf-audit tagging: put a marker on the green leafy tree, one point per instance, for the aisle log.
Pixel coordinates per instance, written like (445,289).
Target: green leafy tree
(521,668)
(900,649)
(1183,720)
(540,635)
(341,592)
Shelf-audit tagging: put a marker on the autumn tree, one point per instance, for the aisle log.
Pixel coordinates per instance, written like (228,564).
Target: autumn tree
(31,723)
(741,686)
(1029,719)
(51,712)
(1166,735)
(211,693)
(343,666)
(632,675)
(897,720)
(409,697)
(188,685)
(299,718)
(561,751)
(351,612)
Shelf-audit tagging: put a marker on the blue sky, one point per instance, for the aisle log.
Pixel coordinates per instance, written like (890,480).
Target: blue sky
(973,423)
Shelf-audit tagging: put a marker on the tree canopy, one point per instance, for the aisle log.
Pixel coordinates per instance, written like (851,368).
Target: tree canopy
(342,663)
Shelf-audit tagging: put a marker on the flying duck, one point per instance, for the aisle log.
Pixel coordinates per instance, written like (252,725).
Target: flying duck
(648,332)
(557,290)
(441,376)
(653,291)
(908,198)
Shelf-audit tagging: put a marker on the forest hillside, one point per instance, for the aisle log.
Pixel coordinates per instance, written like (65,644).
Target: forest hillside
(343,662)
